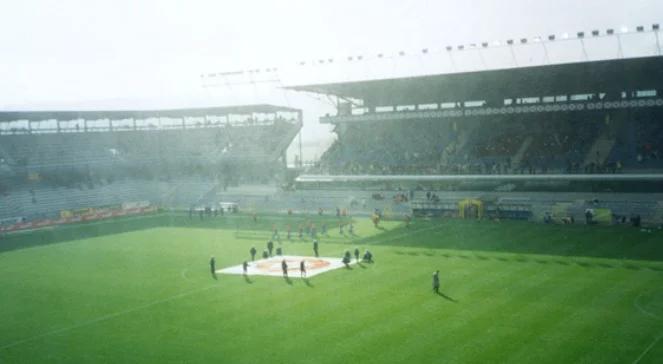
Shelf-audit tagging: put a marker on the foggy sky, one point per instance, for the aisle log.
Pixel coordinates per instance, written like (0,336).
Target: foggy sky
(150,53)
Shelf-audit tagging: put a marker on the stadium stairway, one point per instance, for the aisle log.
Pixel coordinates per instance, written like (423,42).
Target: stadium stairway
(185,193)
(518,157)
(600,150)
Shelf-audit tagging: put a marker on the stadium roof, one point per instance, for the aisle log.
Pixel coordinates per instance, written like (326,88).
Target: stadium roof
(6,116)
(559,79)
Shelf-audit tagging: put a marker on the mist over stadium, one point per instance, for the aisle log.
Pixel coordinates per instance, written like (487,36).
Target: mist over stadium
(382,182)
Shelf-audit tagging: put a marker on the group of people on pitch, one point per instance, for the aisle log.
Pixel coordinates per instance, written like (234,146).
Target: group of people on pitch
(367,257)
(302,268)
(347,257)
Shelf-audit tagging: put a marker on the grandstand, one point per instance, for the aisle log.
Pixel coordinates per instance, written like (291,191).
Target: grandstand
(578,135)
(60,160)
(587,117)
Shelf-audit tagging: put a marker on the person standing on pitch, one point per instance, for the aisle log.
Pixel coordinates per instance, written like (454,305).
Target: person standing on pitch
(436,282)
(212,266)
(270,247)
(245,267)
(315,247)
(302,268)
(284,266)
(253,252)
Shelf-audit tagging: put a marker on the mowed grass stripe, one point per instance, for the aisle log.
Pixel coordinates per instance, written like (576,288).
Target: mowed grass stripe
(482,330)
(109,288)
(445,324)
(429,331)
(368,304)
(81,325)
(365,325)
(609,338)
(624,321)
(383,313)
(562,304)
(370,313)
(254,311)
(578,332)
(519,325)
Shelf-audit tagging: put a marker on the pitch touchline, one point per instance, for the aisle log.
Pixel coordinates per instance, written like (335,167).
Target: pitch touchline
(104,318)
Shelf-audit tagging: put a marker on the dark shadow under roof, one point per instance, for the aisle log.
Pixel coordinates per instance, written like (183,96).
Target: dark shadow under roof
(560,79)
(6,116)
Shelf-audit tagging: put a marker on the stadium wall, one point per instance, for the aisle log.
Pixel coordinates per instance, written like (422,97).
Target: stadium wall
(531,206)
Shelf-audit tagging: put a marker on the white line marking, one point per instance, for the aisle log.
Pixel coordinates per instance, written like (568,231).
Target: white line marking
(183,273)
(636,303)
(659,337)
(104,318)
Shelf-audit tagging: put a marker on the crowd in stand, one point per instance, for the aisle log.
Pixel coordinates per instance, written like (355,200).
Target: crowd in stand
(651,144)
(504,147)
(232,155)
(501,146)
(59,149)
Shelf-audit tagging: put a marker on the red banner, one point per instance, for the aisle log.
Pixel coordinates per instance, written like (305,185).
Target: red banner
(92,216)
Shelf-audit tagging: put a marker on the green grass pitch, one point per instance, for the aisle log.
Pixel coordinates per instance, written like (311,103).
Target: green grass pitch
(139,290)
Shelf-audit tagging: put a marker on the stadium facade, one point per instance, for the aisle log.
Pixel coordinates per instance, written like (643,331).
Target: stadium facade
(519,142)
(590,117)
(525,143)
(54,161)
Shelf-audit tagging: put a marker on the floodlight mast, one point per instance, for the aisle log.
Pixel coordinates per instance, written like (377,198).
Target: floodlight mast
(655,29)
(451,58)
(213,79)
(509,42)
(301,156)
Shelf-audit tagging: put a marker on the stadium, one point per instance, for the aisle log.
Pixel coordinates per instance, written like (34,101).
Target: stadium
(480,214)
